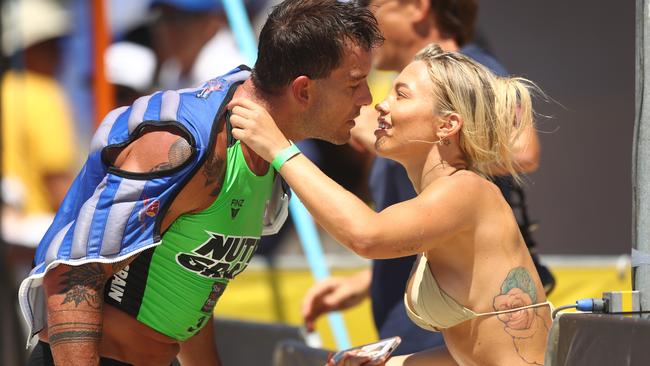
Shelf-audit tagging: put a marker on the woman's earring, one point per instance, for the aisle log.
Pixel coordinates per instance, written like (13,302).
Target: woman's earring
(443,141)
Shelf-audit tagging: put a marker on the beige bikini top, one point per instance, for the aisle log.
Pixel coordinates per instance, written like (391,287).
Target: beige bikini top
(428,306)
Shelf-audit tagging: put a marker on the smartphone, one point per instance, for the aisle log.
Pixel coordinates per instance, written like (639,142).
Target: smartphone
(377,350)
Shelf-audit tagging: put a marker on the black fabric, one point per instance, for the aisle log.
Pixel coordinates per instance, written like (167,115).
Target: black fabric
(42,356)
(600,339)
(133,291)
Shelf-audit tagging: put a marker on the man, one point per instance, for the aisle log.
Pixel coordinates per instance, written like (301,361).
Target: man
(169,208)
(408,26)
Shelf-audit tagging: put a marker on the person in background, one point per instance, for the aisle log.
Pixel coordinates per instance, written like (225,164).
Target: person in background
(192,41)
(409,25)
(38,137)
(130,67)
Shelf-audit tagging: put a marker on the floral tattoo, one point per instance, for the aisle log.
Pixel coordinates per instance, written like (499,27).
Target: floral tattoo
(525,326)
(83,283)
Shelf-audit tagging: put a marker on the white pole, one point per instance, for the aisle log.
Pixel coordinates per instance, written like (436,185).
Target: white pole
(641,160)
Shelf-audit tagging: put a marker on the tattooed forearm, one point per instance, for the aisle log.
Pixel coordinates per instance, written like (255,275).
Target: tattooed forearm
(75,312)
(213,170)
(178,153)
(526,327)
(72,332)
(83,284)
(74,336)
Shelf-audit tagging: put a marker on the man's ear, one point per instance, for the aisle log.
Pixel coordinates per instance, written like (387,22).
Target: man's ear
(421,10)
(450,125)
(301,89)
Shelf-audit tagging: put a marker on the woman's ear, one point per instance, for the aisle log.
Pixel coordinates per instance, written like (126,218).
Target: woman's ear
(301,89)
(450,125)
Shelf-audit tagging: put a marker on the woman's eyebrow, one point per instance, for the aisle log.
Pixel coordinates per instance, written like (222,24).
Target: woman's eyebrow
(401,85)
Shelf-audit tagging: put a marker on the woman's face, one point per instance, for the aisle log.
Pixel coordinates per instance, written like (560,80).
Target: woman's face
(407,122)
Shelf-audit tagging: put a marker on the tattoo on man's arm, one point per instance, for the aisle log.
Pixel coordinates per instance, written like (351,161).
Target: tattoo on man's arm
(74,332)
(83,283)
(525,326)
(178,153)
(213,170)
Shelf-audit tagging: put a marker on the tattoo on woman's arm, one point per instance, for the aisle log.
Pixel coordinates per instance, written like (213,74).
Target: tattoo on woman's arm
(525,326)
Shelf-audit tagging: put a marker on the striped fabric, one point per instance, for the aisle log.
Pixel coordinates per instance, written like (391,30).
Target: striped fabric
(109,215)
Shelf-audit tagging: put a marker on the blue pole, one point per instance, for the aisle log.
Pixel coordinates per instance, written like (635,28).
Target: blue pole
(313,251)
(305,227)
(241,28)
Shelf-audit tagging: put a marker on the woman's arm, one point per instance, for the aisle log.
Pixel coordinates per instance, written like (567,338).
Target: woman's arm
(403,229)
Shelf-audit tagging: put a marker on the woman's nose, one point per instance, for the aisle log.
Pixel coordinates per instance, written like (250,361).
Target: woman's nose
(382,107)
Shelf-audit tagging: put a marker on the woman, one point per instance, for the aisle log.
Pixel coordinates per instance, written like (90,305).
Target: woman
(446,120)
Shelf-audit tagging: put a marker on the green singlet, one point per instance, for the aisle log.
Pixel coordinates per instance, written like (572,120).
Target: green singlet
(174,286)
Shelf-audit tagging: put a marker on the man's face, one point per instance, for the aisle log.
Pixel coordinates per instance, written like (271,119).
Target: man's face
(337,99)
(393,18)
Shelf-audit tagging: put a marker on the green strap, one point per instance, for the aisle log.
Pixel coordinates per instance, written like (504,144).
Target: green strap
(284,155)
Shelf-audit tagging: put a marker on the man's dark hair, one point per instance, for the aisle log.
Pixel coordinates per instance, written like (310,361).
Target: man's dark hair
(455,17)
(307,37)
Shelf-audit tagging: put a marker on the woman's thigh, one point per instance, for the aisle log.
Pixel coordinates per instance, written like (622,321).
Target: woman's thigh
(433,357)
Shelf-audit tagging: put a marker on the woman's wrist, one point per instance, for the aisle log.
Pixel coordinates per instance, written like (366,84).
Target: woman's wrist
(284,155)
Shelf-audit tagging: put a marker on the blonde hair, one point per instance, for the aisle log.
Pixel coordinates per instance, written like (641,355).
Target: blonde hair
(495,110)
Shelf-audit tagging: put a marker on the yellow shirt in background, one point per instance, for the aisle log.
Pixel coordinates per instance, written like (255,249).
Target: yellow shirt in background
(37,135)
(380,83)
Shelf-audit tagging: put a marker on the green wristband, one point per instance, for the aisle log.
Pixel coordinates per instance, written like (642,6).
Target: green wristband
(284,155)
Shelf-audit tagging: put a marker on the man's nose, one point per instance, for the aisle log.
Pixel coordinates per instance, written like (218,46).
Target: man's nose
(364,98)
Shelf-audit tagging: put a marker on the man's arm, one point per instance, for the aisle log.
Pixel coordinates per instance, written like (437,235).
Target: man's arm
(526,151)
(75,293)
(74,312)
(201,349)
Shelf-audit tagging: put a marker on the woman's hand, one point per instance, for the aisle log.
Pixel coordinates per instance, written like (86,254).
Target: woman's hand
(357,357)
(255,127)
